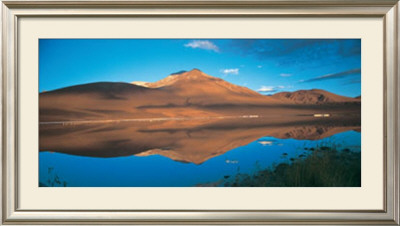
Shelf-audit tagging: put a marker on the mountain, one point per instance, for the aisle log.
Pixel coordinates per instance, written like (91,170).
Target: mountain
(192,82)
(205,89)
(179,95)
(313,96)
(182,94)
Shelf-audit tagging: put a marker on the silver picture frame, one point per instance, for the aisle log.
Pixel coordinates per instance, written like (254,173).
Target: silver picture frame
(13,10)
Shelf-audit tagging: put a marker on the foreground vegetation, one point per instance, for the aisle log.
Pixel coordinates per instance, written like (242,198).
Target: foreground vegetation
(53,180)
(323,167)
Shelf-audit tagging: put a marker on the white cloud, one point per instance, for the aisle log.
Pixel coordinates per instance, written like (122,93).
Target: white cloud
(202,44)
(266,89)
(270,89)
(231,71)
(285,75)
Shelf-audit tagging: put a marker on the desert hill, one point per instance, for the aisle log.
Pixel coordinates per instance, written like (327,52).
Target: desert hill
(313,96)
(184,94)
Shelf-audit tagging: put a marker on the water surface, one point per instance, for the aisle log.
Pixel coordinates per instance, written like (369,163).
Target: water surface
(184,153)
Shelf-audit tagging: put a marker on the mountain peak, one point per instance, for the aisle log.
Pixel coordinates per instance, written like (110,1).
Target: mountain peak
(193,74)
(195,70)
(197,73)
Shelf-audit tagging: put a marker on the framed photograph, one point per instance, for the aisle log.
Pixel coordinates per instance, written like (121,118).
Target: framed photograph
(200,112)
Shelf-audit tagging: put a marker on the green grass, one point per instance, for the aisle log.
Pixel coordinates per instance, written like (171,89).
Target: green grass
(323,167)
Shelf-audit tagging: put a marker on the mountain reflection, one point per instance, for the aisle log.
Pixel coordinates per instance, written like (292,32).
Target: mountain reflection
(194,141)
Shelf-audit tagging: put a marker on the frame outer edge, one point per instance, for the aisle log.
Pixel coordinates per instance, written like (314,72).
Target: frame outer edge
(397,117)
(8,114)
(392,113)
(390,3)
(1,111)
(9,111)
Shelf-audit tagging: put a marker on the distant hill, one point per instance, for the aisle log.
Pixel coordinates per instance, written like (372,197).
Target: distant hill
(313,96)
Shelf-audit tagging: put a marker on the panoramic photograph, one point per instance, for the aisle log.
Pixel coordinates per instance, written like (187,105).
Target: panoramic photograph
(199,113)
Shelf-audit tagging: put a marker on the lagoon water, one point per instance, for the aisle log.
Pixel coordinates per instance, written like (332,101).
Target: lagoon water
(72,167)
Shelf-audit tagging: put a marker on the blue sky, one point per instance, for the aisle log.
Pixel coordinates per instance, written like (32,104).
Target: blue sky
(264,65)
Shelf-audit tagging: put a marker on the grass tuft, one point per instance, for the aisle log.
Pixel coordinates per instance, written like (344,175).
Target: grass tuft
(323,167)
